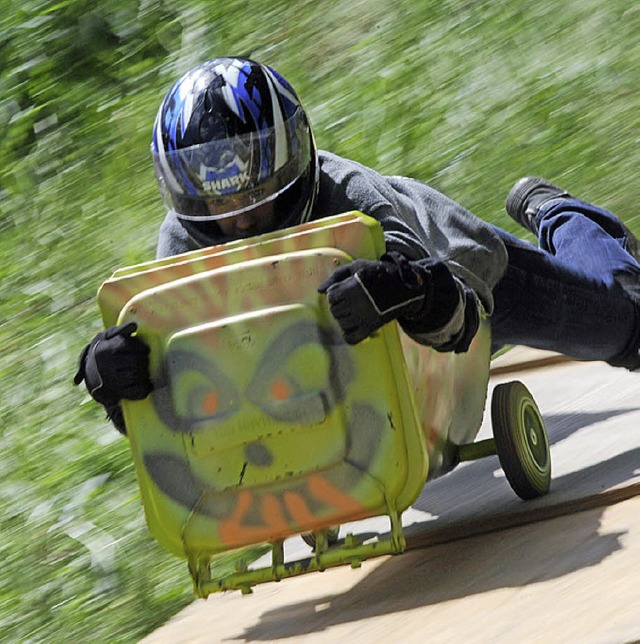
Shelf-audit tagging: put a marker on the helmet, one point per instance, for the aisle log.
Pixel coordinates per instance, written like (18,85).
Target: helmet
(230,137)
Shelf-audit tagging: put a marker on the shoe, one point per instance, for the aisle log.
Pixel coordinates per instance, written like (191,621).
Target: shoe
(526,197)
(332,536)
(529,193)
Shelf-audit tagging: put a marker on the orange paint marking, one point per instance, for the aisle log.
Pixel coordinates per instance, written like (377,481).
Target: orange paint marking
(234,533)
(298,509)
(272,513)
(279,516)
(280,390)
(210,403)
(231,530)
(333,496)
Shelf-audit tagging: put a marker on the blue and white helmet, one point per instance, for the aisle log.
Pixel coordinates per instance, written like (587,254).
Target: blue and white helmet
(232,135)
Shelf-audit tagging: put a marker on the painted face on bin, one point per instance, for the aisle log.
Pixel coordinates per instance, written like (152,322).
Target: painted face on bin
(235,420)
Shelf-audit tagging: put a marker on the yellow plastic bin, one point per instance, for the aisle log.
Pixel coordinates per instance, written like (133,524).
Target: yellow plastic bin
(263,422)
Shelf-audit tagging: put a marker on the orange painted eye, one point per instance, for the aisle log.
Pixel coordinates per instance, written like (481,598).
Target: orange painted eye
(210,403)
(280,390)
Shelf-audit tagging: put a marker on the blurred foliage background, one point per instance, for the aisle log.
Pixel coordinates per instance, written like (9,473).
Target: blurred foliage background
(468,96)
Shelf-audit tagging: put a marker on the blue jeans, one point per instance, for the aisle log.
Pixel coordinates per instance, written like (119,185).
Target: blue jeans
(566,295)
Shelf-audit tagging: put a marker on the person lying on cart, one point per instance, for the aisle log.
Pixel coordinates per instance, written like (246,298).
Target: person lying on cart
(235,156)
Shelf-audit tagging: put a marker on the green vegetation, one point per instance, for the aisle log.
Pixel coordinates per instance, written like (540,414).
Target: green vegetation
(466,95)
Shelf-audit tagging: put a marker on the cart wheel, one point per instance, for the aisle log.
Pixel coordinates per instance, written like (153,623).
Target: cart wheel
(521,440)
(332,536)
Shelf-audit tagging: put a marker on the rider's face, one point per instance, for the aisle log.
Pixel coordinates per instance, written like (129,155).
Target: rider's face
(248,223)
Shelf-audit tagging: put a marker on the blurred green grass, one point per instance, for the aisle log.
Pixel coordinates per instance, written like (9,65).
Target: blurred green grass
(468,96)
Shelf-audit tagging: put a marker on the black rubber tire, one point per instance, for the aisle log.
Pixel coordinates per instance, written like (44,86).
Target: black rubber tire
(521,440)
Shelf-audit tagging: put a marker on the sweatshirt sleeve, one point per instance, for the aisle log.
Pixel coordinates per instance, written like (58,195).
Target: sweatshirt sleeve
(418,221)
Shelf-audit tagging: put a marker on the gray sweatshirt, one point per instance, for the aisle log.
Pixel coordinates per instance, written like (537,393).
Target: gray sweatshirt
(417,221)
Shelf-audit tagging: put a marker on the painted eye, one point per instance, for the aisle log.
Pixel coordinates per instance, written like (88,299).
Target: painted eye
(197,397)
(292,383)
(302,375)
(199,390)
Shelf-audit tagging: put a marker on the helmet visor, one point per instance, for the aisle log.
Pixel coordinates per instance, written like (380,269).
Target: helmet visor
(226,176)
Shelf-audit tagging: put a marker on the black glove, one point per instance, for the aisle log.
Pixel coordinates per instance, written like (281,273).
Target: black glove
(366,294)
(115,366)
